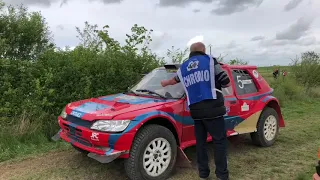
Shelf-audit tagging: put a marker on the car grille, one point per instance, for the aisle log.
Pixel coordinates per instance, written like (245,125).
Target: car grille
(75,134)
(80,140)
(79,121)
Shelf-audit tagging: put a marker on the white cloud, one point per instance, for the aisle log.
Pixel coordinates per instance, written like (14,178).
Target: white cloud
(254,30)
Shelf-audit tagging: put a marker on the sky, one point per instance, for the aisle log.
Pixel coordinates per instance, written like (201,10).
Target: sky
(261,32)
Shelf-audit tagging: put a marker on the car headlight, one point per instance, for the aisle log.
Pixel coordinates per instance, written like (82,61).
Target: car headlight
(63,113)
(111,125)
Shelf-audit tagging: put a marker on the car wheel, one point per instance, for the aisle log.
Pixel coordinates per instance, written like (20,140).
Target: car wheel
(153,154)
(80,150)
(267,128)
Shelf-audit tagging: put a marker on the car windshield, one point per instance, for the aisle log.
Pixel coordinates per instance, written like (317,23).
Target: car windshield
(151,83)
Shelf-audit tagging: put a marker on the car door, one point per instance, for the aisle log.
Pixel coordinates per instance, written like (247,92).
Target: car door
(246,93)
(232,106)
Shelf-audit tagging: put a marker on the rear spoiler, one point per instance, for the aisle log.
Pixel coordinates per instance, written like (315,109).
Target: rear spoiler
(172,66)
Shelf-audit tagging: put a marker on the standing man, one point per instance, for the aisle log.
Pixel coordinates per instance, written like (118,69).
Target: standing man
(201,75)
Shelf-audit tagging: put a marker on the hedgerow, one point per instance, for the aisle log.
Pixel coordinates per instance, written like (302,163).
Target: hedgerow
(34,90)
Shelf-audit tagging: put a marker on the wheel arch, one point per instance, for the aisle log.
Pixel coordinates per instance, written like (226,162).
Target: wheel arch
(165,123)
(273,103)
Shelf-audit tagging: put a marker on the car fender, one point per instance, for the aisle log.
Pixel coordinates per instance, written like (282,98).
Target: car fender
(156,115)
(143,119)
(273,102)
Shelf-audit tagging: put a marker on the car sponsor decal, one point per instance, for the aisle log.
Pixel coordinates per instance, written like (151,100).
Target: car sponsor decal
(87,107)
(94,136)
(255,74)
(245,107)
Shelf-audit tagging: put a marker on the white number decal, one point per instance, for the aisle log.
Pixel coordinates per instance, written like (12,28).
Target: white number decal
(239,80)
(243,82)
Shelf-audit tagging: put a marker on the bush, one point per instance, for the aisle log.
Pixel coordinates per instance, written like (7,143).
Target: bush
(307,70)
(287,90)
(35,91)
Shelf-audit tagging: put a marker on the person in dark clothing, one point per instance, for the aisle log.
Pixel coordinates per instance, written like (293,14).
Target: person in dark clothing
(203,78)
(275,73)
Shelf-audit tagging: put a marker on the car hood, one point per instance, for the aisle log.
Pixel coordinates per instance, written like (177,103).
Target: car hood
(107,107)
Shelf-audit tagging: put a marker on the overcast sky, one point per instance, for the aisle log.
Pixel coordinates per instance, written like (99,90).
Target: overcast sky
(263,32)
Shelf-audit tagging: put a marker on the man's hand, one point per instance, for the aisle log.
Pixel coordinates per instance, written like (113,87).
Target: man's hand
(316,177)
(164,83)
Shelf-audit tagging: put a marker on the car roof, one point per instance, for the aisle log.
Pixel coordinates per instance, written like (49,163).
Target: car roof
(176,66)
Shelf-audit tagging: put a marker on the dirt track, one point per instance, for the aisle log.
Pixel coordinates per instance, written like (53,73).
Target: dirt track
(70,164)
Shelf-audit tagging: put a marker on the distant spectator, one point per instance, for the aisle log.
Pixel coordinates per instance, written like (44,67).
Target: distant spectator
(284,73)
(275,73)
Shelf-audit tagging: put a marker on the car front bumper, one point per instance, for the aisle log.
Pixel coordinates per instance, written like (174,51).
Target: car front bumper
(103,147)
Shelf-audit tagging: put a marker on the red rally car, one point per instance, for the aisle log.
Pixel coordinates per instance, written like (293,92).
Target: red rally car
(150,126)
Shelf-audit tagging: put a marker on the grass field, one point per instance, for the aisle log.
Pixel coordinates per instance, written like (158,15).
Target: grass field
(292,157)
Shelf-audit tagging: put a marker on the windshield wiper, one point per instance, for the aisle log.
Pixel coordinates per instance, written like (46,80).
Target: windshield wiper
(131,91)
(151,92)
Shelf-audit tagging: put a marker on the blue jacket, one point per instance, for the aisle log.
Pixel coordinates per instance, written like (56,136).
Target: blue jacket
(204,102)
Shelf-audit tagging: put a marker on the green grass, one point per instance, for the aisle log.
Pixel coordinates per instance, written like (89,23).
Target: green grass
(26,137)
(293,156)
(12,147)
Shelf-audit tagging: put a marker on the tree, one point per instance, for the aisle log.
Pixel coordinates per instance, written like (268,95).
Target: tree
(307,69)
(177,55)
(237,61)
(24,35)
(89,38)
(220,58)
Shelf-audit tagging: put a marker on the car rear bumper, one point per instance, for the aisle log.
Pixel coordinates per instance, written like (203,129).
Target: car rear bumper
(103,147)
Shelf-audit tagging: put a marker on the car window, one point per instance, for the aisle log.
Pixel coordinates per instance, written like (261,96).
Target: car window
(152,82)
(244,82)
(228,90)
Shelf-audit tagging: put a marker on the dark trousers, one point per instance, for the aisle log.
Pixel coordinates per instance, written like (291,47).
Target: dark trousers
(216,128)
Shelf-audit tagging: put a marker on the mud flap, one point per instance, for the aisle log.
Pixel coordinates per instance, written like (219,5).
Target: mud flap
(103,158)
(182,160)
(56,137)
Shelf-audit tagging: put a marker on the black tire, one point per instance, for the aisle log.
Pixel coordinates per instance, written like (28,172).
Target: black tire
(80,150)
(134,164)
(258,138)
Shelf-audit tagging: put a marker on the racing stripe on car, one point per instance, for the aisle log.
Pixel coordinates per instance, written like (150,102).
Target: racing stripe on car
(136,121)
(267,98)
(258,96)
(231,122)
(123,98)
(109,97)
(87,107)
(109,152)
